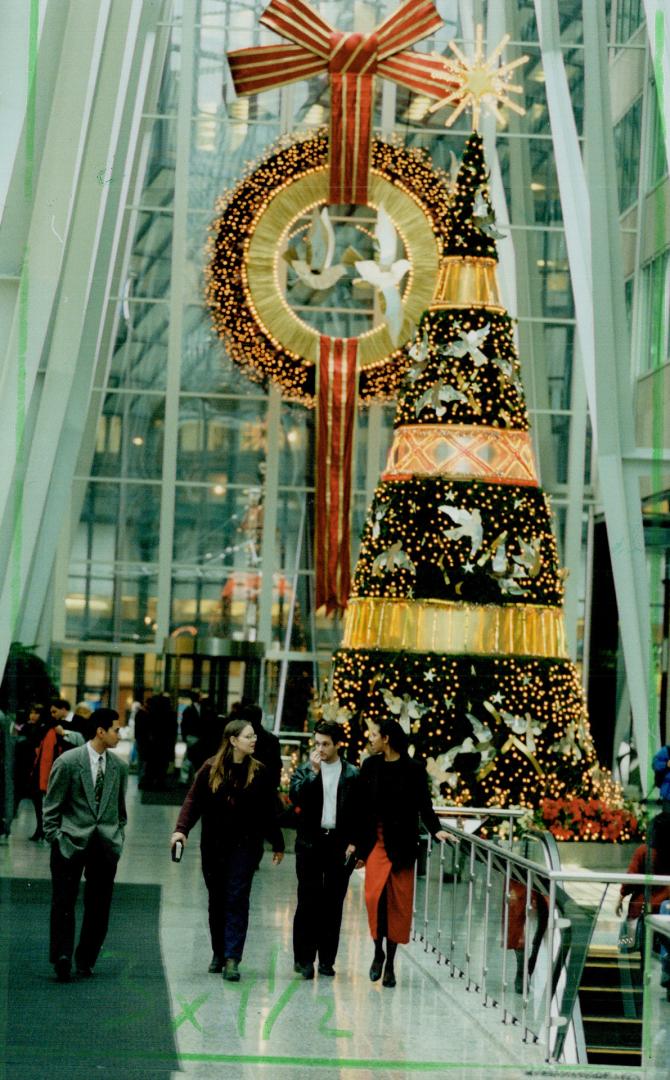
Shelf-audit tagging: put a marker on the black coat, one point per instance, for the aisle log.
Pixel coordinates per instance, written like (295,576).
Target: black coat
(400,815)
(306,794)
(268,751)
(231,816)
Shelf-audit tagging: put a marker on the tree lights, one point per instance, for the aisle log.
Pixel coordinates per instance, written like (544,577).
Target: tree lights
(455,624)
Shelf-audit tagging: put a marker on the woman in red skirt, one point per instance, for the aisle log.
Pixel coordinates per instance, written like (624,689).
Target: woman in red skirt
(394,794)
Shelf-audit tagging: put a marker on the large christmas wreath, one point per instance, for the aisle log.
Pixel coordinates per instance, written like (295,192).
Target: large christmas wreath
(261,332)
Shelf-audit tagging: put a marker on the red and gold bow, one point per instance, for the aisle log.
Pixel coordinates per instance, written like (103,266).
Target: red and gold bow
(351,61)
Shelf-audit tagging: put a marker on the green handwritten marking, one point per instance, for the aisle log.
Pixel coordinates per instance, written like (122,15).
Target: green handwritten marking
(336,1033)
(189,1009)
(32,99)
(516,1069)
(279,1007)
(659,46)
(272,970)
(245,989)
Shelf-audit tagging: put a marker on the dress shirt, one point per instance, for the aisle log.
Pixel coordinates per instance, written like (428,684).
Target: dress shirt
(94,758)
(330,776)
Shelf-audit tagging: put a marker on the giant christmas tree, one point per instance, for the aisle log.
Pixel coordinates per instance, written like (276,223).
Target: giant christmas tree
(455,623)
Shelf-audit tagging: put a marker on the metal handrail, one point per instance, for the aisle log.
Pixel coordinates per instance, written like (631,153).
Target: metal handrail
(542,885)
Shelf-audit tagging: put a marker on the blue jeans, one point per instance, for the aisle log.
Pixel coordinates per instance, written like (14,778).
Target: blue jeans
(228,879)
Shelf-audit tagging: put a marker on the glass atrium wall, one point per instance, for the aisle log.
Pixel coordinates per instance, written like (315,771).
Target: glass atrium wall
(192,509)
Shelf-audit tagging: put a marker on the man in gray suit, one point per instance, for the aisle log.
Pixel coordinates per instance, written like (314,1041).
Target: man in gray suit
(84,819)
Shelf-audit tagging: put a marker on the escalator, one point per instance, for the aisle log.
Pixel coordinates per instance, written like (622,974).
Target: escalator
(610,997)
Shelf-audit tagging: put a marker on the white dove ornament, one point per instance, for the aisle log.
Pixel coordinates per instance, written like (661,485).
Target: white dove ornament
(468,344)
(437,397)
(468,524)
(484,218)
(405,708)
(394,558)
(386,272)
(317,270)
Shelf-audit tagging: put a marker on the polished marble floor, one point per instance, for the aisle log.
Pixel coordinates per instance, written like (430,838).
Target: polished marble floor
(273,1023)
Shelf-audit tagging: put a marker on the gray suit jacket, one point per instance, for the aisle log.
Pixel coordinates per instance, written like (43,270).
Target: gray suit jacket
(70,814)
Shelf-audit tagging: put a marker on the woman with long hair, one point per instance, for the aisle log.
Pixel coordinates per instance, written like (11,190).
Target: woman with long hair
(233,795)
(394,795)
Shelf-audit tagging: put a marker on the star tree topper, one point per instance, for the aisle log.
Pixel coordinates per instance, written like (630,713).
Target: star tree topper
(482,80)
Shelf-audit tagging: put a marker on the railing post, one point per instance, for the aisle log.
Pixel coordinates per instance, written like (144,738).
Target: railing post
(429,854)
(550,966)
(440,885)
(505,933)
(487,909)
(528,907)
(468,937)
(454,884)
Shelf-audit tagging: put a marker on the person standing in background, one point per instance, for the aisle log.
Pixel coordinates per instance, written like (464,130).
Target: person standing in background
(68,726)
(323,793)
(268,749)
(84,817)
(29,736)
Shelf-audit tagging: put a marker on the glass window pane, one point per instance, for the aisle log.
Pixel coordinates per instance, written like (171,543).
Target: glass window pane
(627,135)
(217,525)
(119,522)
(139,360)
(130,437)
(222,441)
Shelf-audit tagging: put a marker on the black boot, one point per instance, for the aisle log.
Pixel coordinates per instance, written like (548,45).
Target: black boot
(518,978)
(389,972)
(377,962)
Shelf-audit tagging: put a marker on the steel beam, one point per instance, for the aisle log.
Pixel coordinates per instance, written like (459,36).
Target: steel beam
(591,229)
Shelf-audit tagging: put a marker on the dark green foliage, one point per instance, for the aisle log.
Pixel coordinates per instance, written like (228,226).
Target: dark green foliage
(26,679)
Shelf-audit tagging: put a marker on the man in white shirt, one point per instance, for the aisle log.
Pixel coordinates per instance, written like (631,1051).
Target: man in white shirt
(69,727)
(323,791)
(84,818)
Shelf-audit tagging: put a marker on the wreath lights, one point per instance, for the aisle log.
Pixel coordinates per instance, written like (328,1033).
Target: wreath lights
(258,344)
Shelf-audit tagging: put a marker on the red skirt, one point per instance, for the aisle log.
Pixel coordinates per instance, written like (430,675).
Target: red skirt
(399,885)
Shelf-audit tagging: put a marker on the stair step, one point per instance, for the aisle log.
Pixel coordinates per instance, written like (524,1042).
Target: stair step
(613,1033)
(608,1019)
(605,1055)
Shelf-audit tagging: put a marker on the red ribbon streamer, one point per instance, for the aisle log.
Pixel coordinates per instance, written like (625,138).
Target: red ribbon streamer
(336,413)
(351,61)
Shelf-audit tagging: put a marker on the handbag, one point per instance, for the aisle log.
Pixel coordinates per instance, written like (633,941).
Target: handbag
(630,935)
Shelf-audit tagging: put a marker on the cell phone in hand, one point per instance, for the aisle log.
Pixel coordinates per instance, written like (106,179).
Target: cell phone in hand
(177,851)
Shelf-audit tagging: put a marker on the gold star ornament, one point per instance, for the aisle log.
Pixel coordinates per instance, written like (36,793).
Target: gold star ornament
(482,80)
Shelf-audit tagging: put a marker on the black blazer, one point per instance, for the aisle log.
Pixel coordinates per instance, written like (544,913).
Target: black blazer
(400,819)
(306,794)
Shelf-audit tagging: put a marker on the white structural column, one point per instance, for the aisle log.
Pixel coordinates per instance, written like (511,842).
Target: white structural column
(133,40)
(178,279)
(69,242)
(595,265)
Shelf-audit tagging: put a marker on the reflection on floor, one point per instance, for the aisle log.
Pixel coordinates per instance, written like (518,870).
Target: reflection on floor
(273,1023)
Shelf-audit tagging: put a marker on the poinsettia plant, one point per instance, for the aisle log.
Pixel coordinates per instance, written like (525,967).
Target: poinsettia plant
(588,819)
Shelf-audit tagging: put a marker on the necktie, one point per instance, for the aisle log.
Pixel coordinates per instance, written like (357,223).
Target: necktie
(99,781)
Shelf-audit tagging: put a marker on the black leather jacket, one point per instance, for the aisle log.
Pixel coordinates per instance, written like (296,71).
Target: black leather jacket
(306,794)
